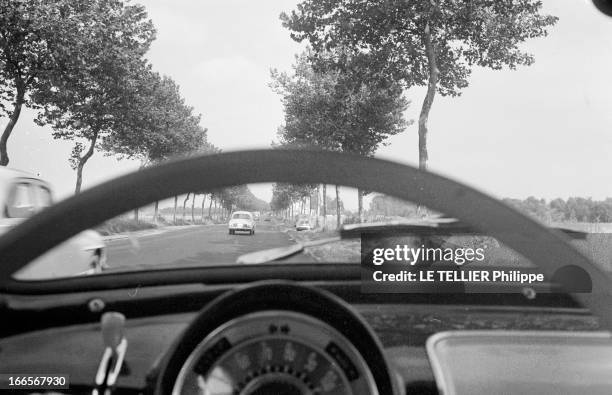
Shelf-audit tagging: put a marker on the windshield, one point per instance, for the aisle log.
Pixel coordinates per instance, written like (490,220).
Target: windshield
(511,99)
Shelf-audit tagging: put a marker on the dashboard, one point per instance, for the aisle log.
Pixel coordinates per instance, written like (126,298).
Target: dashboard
(255,344)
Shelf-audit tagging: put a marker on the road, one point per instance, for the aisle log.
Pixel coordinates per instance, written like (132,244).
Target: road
(198,245)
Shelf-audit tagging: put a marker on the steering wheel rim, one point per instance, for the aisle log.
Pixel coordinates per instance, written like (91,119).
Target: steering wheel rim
(65,219)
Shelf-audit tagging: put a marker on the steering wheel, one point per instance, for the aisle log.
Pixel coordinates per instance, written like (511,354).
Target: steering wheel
(547,249)
(280,338)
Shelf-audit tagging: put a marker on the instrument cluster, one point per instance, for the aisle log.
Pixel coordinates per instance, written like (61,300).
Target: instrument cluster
(275,352)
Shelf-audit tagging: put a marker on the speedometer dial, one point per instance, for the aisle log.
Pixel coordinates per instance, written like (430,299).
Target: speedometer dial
(272,365)
(275,352)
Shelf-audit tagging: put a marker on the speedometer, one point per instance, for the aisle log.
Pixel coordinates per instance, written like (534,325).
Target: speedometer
(275,352)
(272,365)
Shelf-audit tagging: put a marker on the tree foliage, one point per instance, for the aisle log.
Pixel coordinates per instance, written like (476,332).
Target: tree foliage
(345,110)
(573,209)
(240,197)
(433,43)
(388,206)
(284,195)
(156,124)
(47,46)
(89,103)
(337,111)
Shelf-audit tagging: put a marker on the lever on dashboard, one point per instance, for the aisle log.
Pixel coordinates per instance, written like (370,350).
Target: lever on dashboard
(115,346)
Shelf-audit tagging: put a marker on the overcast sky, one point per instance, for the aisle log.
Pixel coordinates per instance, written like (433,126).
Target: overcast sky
(544,130)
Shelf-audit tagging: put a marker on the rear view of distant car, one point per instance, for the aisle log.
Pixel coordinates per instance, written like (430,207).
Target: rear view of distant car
(242,221)
(303,224)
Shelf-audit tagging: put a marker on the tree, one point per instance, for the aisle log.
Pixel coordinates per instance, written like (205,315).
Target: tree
(348,111)
(210,203)
(324,201)
(433,43)
(373,112)
(575,209)
(285,196)
(184,205)
(338,208)
(202,209)
(387,206)
(156,124)
(89,104)
(47,45)
(281,198)
(193,208)
(240,197)
(174,211)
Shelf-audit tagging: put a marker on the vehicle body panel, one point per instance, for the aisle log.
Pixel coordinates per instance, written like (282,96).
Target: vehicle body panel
(84,253)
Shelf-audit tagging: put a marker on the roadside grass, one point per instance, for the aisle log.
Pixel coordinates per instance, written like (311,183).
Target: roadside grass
(123,225)
(343,251)
(168,221)
(596,246)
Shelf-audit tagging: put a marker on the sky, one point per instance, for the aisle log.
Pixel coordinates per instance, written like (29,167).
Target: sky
(543,130)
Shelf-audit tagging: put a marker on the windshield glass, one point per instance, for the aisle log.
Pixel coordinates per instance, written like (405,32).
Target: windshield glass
(510,98)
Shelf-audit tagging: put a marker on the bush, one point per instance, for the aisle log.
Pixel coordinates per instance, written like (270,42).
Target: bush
(161,220)
(351,220)
(122,225)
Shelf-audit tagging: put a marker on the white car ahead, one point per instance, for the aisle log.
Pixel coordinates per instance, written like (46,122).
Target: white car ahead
(21,196)
(303,224)
(242,221)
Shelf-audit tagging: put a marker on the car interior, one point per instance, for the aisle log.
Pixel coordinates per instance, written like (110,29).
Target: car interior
(288,326)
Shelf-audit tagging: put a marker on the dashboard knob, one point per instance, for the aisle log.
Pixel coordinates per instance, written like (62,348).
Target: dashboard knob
(113,325)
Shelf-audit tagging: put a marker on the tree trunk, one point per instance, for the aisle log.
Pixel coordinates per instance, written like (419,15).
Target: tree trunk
(430,49)
(193,208)
(338,219)
(216,211)
(156,212)
(324,205)
(82,161)
(360,205)
(184,205)
(318,204)
(210,206)
(203,204)
(174,214)
(143,164)
(8,129)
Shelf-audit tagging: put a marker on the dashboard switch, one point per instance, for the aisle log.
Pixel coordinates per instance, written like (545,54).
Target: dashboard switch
(115,346)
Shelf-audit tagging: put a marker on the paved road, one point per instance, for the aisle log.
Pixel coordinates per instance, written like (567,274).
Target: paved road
(193,245)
